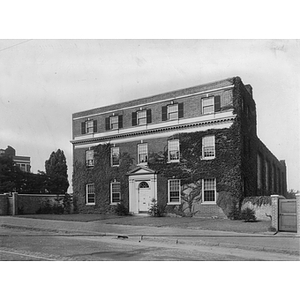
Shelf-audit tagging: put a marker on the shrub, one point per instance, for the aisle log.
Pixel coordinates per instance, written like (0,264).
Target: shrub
(157,210)
(248,215)
(121,210)
(235,213)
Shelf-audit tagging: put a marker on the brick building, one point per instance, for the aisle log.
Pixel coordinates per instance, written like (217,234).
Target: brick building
(194,150)
(23,162)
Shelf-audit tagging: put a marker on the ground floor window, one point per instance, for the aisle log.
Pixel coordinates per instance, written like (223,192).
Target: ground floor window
(174,191)
(209,190)
(115,192)
(90,194)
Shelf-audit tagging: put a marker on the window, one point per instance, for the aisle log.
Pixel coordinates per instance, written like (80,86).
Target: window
(89,158)
(115,192)
(114,122)
(208,147)
(172,112)
(143,153)
(90,194)
(115,156)
(89,126)
(141,117)
(173,151)
(211,105)
(209,190)
(174,191)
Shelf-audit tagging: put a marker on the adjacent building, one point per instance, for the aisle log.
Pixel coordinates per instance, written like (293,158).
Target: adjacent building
(192,150)
(23,162)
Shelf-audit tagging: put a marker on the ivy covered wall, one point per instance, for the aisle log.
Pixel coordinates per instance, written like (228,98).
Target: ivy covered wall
(102,174)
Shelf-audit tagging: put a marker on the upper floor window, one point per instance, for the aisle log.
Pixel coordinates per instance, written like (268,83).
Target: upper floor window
(208,147)
(174,191)
(89,158)
(211,104)
(115,188)
(89,126)
(114,122)
(173,151)
(115,156)
(209,190)
(172,112)
(90,194)
(141,117)
(143,153)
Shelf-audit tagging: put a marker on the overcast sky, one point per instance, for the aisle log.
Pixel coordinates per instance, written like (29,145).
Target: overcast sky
(42,82)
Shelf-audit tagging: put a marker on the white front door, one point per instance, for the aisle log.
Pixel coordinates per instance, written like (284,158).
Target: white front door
(144,196)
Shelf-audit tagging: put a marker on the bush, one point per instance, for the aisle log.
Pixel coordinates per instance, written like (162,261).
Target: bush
(235,213)
(157,210)
(121,210)
(248,215)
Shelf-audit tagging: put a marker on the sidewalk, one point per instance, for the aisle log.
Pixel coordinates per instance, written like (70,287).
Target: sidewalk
(287,243)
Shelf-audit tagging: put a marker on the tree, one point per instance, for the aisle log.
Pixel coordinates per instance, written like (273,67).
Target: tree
(291,194)
(9,174)
(56,170)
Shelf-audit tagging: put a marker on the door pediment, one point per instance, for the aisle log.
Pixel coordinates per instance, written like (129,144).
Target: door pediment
(141,170)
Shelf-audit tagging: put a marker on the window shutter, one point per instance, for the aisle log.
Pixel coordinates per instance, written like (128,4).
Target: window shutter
(164,111)
(217,103)
(201,101)
(180,110)
(134,118)
(107,123)
(120,125)
(82,127)
(149,116)
(95,125)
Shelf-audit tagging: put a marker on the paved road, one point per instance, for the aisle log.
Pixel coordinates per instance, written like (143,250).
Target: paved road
(19,244)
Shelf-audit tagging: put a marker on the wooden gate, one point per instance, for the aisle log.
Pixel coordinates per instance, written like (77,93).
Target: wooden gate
(287,215)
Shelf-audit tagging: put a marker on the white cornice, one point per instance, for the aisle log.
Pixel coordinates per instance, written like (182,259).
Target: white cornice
(154,102)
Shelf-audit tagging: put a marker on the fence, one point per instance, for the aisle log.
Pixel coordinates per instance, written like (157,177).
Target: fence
(14,203)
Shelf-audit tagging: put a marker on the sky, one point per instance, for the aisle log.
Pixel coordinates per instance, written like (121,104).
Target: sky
(43,82)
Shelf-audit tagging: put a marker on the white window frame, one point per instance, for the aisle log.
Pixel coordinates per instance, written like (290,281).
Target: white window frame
(212,99)
(143,150)
(111,193)
(111,156)
(89,190)
(208,142)
(89,126)
(114,122)
(89,162)
(204,190)
(142,117)
(171,144)
(169,191)
(173,111)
